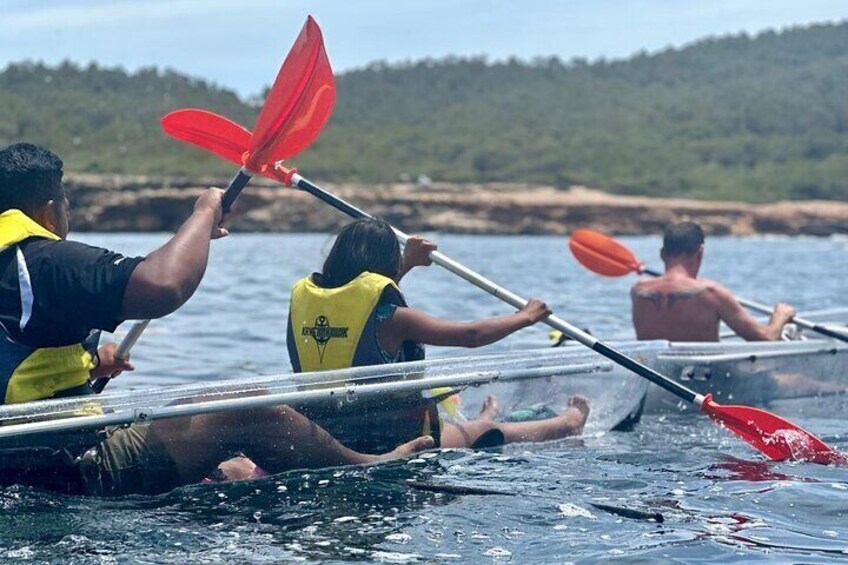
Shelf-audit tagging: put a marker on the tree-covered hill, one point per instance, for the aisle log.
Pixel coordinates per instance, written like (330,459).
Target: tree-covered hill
(753,118)
(105,120)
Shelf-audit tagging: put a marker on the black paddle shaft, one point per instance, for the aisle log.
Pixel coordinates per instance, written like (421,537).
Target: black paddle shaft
(333,201)
(236,185)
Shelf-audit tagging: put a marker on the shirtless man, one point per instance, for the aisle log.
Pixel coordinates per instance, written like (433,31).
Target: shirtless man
(678,306)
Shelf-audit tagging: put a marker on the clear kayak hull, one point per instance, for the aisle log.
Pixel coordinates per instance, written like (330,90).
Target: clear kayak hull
(520,380)
(755,374)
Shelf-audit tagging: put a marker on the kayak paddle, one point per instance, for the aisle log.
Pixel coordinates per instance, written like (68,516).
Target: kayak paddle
(296,108)
(777,438)
(604,255)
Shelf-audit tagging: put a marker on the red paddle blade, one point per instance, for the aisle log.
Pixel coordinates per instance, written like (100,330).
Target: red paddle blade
(299,103)
(602,254)
(777,438)
(219,135)
(208,131)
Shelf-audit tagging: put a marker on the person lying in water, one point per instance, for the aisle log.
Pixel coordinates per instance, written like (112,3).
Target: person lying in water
(163,455)
(353,314)
(679,306)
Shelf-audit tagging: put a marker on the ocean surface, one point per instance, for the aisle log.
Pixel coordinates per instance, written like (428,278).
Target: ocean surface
(720,500)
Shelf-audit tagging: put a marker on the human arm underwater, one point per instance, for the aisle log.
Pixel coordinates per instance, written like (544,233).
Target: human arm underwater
(168,277)
(410,324)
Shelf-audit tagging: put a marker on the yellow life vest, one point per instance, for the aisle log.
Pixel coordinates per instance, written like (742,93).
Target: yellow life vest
(335,328)
(29,373)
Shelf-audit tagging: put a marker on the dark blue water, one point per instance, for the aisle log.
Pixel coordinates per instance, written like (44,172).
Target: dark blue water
(720,500)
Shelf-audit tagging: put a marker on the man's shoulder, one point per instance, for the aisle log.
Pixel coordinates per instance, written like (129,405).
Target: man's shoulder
(41,243)
(37,247)
(644,283)
(713,287)
(49,258)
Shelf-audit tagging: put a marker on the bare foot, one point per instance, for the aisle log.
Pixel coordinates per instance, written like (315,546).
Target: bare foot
(578,408)
(580,402)
(491,409)
(417,445)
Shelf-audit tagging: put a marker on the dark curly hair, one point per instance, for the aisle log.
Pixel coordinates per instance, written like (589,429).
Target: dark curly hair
(30,176)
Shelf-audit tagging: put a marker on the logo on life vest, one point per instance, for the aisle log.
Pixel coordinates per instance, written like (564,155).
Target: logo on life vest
(322,332)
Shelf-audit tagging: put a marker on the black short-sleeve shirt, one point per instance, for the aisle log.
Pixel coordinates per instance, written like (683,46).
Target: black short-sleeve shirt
(76,288)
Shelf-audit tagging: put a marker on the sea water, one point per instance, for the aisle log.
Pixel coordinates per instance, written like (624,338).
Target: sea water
(721,501)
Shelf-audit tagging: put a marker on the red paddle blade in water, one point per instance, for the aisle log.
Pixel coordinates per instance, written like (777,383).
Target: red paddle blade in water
(299,103)
(777,438)
(208,131)
(602,254)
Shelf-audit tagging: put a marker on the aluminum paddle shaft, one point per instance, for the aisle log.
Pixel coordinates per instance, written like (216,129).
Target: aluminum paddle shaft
(512,299)
(806,324)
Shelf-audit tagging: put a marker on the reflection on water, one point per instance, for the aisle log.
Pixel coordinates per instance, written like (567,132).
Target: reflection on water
(720,500)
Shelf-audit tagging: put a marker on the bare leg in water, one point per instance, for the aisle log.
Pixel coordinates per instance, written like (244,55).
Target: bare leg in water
(569,423)
(465,435)
(277,439)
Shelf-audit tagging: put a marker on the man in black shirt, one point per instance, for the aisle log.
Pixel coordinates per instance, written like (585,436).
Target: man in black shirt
(54,297)
(56,294)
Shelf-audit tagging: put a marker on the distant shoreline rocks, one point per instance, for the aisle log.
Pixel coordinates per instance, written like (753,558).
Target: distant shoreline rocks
(124,203)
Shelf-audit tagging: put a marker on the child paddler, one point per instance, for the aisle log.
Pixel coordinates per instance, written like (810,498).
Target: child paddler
(354,314)
(54,297)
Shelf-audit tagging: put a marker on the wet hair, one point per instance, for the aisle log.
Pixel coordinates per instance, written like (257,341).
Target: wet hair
(30,176)
(684,238)
(363,245)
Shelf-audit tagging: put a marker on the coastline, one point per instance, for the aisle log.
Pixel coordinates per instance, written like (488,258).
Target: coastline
(121,203)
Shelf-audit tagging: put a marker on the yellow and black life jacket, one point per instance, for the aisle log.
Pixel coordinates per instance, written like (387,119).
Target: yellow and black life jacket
(336,328)
(31,373)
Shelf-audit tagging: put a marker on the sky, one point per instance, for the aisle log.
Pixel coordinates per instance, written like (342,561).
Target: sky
(240,44)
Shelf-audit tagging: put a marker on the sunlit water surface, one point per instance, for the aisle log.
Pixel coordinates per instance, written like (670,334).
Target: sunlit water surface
(721,501)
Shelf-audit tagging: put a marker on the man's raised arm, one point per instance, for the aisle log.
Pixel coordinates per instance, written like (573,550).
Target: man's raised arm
(168,277)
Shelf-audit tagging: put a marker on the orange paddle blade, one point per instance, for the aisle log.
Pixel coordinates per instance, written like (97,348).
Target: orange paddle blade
(778,439)
(299,103)
(602,254)
(208,131)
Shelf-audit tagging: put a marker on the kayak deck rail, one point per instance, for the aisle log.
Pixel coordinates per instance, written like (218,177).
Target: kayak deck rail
(692,356)
(344,392)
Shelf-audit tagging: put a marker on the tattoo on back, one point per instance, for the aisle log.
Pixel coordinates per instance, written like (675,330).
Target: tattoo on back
(657,298)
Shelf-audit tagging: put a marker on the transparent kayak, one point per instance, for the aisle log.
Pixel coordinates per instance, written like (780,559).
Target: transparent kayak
(807,375)
(520,380)
(755,374)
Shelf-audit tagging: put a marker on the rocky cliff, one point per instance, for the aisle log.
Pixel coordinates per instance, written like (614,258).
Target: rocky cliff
(129,203)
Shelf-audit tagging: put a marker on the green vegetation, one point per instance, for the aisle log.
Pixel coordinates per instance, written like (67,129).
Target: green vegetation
(745,118)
